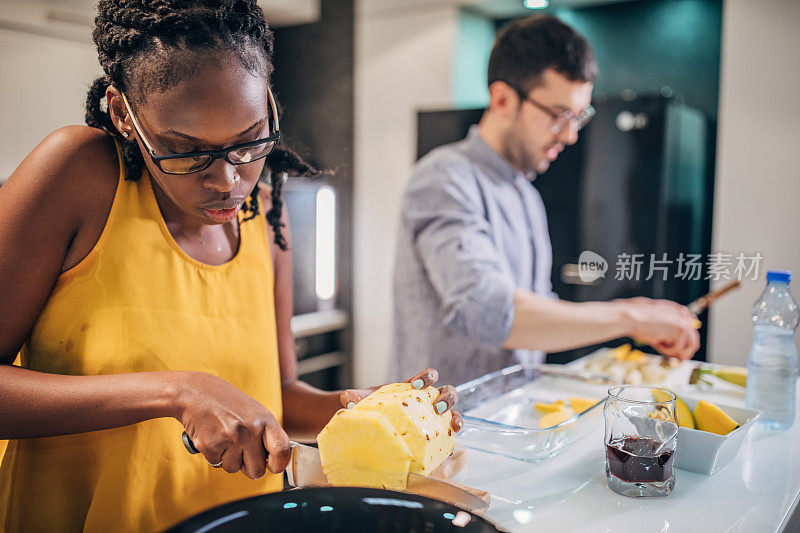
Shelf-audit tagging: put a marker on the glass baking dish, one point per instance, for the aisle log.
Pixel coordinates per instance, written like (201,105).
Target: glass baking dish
(500,417)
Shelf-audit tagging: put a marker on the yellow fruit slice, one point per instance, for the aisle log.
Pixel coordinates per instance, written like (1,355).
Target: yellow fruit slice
(660,395)
(362,449)
(661,414)
(620,351)
(553,419)
(733,374)
(635,355)
(428,434)
(685,418)
(582,404)
(392,432)
(711,418)
(549,407)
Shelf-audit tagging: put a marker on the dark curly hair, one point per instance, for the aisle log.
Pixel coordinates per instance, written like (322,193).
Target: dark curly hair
(525,48)
(146,45)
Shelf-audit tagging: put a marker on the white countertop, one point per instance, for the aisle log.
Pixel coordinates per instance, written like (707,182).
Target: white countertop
(757,492)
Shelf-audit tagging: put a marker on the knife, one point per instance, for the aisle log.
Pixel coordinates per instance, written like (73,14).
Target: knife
(305,470)
(699,305)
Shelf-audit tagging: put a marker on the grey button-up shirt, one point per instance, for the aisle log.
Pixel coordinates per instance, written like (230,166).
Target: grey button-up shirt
(473,229)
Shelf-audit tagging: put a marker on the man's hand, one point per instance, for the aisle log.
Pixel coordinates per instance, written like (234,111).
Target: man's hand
(666,326)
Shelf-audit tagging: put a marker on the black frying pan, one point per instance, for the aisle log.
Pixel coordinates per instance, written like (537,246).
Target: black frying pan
(335,509)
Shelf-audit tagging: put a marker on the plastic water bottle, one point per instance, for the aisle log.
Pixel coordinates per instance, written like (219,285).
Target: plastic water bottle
(772,366)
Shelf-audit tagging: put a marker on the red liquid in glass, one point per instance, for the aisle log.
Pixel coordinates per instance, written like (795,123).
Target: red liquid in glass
(631,459)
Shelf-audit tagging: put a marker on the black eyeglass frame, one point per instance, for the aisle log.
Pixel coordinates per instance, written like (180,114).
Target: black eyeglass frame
(214,154)
(581,119)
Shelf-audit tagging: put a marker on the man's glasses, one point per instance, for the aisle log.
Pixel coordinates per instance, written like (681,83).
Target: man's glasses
(189,162)
(559,119)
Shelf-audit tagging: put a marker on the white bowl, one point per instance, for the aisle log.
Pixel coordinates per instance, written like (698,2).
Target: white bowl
(704,452)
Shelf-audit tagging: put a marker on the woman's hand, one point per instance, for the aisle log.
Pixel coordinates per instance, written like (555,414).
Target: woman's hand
(427,377)
(229,428)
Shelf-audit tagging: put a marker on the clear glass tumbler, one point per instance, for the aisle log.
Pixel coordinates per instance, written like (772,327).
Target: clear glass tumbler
(640,440)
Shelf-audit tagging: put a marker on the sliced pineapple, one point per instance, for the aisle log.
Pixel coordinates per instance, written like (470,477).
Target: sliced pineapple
(653,372)
(660,414)
(620,351)
(553,419)
(582,404)
(363,449)
(550,407)
(429,435)
(635,356)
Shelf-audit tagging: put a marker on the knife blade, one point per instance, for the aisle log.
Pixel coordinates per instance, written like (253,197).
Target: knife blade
(305,467)
(305,470)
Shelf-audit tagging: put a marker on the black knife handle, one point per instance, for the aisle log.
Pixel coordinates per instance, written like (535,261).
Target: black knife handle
(188,444)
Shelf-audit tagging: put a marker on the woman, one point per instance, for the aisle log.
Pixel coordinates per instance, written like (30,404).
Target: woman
(146,292)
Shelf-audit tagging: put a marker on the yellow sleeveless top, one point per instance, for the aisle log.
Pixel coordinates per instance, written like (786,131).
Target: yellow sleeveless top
(139,303)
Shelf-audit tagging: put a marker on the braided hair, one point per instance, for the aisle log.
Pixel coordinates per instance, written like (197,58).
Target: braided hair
(152,44)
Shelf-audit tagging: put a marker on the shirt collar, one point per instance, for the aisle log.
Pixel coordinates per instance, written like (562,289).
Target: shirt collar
(499,164)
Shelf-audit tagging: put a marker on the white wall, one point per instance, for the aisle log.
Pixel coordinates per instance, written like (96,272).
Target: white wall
(48,60)
(44,81)
(757,196)
(402,63)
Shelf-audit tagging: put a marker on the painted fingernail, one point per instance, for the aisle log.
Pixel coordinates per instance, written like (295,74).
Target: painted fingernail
(441,406)
(417,383)
(350,405)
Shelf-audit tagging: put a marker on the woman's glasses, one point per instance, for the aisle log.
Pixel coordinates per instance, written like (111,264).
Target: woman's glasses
(189,162)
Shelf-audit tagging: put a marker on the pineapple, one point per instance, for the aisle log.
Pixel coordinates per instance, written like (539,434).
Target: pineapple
(428,434)
(550,407)
(357,448)
(553,419)
(582,404)
(362,449)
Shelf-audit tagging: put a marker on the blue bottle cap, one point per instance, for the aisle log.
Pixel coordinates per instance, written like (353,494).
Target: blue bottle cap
(779,275)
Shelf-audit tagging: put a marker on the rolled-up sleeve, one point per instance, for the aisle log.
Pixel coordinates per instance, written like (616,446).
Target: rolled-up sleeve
(443,212)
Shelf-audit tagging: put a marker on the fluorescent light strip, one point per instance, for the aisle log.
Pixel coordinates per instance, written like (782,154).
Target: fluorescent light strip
(535,4)
(325,251)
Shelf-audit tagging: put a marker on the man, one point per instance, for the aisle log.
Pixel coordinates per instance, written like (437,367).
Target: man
(472,275)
